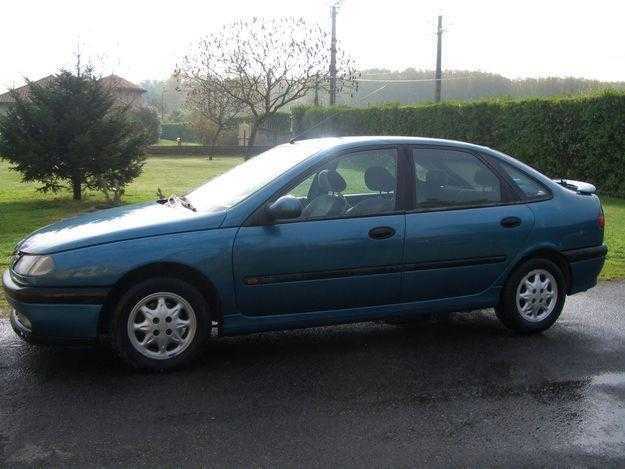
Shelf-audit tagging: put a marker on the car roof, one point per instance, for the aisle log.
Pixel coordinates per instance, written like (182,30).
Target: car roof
(356,141)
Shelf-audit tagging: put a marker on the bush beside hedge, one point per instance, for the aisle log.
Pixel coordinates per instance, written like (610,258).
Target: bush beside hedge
(578,138)
(279,123)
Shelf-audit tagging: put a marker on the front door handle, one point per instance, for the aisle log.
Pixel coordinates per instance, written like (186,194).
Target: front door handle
(510,222)
(381,232)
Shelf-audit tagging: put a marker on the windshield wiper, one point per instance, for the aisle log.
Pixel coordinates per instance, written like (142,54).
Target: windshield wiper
(186,203)
(174,199)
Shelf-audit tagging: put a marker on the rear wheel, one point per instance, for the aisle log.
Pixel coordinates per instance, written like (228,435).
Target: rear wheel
(533,296)
(160,324)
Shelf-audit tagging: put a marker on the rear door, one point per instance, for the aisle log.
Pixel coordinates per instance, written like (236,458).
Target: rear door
(465,227)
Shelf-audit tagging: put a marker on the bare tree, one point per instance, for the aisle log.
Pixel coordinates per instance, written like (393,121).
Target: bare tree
(207,100)
(264,64)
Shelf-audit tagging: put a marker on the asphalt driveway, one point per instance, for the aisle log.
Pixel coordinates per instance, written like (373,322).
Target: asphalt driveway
(461,391)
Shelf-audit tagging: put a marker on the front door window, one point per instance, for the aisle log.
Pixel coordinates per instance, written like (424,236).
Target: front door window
(359,184)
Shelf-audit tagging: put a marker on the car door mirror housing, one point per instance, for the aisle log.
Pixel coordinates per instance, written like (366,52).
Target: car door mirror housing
(286,207)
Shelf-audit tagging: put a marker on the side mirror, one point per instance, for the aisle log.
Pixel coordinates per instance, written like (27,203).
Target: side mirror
(285,208)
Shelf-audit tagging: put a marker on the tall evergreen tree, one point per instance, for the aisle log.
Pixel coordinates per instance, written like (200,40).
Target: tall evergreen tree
(70,132)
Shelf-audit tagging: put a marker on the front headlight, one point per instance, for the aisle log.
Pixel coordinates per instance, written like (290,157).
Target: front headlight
(33,266)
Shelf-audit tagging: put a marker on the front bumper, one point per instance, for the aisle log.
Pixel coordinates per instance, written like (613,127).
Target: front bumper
(54,314)
(586,264)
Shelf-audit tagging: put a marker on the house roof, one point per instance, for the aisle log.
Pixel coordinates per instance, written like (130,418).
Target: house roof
(117,82)
(111,81)
(24,91)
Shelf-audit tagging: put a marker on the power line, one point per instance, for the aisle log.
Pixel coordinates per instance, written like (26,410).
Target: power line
(372,80)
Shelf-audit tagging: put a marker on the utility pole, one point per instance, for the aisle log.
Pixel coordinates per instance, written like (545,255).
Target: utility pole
(439,48)
(163,91)
(78,57)
(316,101)
(333,58)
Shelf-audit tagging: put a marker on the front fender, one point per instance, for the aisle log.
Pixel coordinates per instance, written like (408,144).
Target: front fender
(209,252)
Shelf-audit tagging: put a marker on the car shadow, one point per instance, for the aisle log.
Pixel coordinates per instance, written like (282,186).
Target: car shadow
(371,389)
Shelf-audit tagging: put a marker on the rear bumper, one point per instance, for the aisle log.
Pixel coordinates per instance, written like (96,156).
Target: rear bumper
(586,264)
(56,315)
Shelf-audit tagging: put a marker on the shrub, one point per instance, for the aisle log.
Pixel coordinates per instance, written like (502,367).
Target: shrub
(149,121)
(174,130)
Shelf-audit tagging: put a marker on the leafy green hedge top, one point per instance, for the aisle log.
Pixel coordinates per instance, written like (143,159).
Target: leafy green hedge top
(578,138)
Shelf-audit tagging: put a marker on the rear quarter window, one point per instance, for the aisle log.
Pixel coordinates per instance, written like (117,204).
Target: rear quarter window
(531,188)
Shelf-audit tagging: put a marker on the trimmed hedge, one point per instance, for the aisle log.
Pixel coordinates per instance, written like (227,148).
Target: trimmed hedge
(579,138)
(173,130)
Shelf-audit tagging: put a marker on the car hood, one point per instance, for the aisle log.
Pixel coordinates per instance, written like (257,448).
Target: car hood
(118,224)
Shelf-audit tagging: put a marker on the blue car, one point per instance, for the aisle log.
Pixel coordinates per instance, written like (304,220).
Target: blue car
(313,233)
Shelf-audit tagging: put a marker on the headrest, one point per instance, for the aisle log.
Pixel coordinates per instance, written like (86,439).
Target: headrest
(484,177)
(436,177)
(331,181)
(378,178)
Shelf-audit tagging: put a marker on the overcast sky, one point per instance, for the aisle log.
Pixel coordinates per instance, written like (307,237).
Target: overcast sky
(141,39)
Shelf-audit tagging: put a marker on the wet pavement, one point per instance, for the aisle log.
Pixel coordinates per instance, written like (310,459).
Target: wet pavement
(461,391)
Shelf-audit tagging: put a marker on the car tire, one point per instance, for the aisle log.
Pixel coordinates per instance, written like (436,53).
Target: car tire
(160,324)
(533,297)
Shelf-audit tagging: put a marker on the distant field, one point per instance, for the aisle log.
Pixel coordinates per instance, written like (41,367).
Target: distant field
(23,209)
(170,143)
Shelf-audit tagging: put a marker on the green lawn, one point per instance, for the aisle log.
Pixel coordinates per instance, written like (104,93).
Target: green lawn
(23,209)
(614,238)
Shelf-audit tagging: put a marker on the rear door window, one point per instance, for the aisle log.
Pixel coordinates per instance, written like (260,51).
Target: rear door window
(449,178)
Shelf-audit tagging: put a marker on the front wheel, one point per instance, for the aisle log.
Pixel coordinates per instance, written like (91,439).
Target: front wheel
(533,297)
(160,324)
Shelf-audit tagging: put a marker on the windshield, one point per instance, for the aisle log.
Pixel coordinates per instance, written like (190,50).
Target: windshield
(242,181)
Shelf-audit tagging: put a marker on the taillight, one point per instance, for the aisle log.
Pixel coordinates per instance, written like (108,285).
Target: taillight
(601,220)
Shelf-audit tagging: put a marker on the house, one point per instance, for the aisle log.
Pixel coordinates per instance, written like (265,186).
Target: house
(125,92)
(6,99)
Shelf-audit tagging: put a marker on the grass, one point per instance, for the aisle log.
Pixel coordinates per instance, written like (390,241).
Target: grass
(23,209)
(614,237)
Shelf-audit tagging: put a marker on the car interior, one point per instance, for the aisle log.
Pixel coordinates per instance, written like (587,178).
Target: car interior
(449,181)
(327,195)
(366,185)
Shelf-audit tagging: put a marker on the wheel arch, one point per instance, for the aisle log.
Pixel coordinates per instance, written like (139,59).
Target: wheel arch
(551,254)
(160,269)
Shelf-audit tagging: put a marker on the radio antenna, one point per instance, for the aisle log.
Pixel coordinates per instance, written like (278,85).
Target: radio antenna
(334,114)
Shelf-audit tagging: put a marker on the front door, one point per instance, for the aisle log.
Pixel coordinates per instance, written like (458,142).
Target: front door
(465,229)
(344,251)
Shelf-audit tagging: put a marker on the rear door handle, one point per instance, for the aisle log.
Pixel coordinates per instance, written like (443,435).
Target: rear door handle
(381,232)
(510,222)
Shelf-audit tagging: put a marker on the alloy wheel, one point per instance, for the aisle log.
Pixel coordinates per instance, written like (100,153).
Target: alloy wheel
(536,295)
(162,325)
